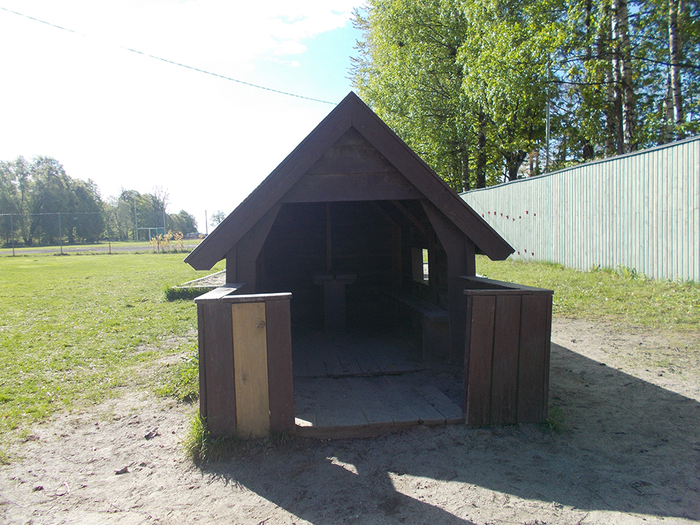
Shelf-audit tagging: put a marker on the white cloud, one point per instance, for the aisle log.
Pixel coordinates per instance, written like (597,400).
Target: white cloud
(290,47)
(211,31)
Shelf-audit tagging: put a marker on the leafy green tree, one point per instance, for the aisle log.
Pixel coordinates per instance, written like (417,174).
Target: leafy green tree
(50,194)
(9,201)
(472,84)
(407,71)
(182,222)
(506,63)
(215,218)
(87,222)
(15,188)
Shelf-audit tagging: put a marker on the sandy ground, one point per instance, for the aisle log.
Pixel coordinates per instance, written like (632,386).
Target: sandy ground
(627,450)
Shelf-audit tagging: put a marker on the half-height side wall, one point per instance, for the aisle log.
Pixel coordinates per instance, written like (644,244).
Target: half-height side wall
(506,359)
(640,211)
(245,363)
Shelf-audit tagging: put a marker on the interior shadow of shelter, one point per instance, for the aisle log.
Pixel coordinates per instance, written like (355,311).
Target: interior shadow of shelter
(625,445)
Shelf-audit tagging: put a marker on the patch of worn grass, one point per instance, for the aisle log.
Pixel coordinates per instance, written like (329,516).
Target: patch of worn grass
(75,329)
(615,296)
(182,380)
(177,293)
(200,446)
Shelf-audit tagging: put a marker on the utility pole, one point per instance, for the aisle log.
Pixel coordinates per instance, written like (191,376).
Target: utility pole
(546,162)
(12,232)
(60,232)
(136,222)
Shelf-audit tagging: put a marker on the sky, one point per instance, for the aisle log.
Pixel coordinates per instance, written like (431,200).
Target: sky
(127,120)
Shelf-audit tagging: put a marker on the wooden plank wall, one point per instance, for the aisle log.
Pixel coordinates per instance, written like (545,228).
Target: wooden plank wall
(250,370)
(218,402)
(245,356)
(507,356)
(279,366)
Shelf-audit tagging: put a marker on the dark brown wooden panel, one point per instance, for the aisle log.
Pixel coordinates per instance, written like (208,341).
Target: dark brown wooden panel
(218,364)
(279,365)
(248,249)
(202,361)
(350,186)
(548,345)
(231,273)
(504,378)
(534,358)
(352,153)
(480,323)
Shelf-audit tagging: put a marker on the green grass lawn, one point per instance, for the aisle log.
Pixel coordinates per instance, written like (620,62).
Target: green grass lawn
(616,297)
(74,329)
(132,245)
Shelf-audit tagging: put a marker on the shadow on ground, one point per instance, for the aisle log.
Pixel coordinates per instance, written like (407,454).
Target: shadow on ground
(623,445)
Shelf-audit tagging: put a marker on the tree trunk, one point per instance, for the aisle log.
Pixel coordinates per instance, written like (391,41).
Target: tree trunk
(481,152)
(464,157)
(667,132)
(513,162)
(604,51)
(675,10)
(623,69)
(587,22)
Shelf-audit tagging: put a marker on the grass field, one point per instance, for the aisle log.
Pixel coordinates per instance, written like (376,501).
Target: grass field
(140,246)
(75,329)
(615,296)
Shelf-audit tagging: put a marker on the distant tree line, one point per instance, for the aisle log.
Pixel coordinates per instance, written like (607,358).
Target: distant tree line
(41,204)
(472,84)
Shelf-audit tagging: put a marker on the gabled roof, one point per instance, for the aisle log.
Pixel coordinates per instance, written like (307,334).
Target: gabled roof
(350,113)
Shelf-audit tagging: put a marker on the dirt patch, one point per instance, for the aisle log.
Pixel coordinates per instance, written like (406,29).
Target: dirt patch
(627,450)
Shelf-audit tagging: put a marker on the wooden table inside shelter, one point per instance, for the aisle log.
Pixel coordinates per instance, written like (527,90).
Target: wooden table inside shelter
(334,300)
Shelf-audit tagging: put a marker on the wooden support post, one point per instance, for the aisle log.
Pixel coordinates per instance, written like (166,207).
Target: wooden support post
(460,256)
(243,255)
(329,240)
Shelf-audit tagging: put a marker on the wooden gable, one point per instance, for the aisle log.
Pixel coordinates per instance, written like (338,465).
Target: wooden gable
(350,156)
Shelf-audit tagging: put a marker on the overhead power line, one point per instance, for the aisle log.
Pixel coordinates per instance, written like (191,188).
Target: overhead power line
(179,64)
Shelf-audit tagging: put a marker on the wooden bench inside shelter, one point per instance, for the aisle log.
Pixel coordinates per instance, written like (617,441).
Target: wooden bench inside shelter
(428,323)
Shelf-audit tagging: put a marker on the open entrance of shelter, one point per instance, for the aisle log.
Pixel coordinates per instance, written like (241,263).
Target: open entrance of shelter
(368,380)
(370,341)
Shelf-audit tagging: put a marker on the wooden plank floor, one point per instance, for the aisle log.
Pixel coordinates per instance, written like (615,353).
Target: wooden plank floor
(352,355)
(353,386)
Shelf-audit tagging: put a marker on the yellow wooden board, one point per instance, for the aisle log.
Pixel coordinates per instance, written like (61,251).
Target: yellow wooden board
(250,370)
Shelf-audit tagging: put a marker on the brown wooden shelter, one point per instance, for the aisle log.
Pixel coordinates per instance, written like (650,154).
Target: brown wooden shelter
(364,234)
(353,202)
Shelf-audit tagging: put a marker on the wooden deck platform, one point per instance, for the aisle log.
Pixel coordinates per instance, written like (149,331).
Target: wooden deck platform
(358,385)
